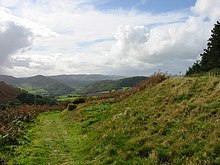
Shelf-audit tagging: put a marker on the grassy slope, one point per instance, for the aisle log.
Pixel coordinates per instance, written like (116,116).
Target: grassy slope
(177,121)
(34,90)
(174,122)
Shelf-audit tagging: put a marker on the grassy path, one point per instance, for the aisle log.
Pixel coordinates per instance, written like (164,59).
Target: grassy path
(52,141)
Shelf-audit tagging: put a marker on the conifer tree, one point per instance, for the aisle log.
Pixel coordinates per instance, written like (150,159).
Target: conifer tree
(210,58)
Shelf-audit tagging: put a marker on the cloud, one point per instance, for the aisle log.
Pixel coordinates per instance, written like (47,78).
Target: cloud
(208,9)
(75,37)
(172,44)
(12,38)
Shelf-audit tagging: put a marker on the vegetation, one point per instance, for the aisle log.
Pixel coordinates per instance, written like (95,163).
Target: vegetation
(80,81)
(174,122)
(30,99)
(109,85)
(71,106)
(52,140)
(161,121)
(210,58)
(14,123)
(34,90)
(40,85)
(67,97)
(8,93)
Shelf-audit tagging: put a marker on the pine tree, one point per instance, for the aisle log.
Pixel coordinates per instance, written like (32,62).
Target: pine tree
(210,58)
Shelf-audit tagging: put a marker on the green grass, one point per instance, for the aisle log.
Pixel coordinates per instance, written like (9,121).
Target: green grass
(34,90)
(67,97)
(174,122)
(53,140)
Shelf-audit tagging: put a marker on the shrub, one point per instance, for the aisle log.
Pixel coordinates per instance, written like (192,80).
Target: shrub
(71,106)
(79,100)
(12,120)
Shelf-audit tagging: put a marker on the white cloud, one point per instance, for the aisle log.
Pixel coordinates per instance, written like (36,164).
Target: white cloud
(208,9)
(12,38)
(74,37)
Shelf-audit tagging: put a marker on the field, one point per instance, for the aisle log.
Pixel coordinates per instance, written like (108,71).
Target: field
(34,90)
(67,97)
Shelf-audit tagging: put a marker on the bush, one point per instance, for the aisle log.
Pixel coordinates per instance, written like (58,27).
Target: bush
(12,120)
(71,106)
(79,100)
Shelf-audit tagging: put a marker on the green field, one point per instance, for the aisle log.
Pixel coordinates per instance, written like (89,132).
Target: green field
(67,97)
(34,90)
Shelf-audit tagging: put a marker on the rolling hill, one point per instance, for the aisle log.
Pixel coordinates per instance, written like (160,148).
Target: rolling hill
(8,93)
(109,85)
(39,84)
(51,86)
(82,80)
(55,85)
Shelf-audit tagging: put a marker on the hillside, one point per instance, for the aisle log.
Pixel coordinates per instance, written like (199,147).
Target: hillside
(51,86)
(174,122)
(81,80)
(55,85)
(108,85)
(41,85)
(8,93)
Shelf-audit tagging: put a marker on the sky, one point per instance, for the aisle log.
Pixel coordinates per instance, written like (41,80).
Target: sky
(126,37)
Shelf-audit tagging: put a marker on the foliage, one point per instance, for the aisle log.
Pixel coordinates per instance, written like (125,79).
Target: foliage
(210,58)
(13,123)
(31,99)
(51,141)
(71,106)
(79,100)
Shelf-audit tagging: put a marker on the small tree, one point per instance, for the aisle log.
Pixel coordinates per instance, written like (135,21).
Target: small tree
(210,58)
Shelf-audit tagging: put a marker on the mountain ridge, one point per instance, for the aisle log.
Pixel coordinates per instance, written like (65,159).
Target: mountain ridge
(55,85)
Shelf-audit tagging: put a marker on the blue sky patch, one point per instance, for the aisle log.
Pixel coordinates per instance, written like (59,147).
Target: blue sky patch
(155,6)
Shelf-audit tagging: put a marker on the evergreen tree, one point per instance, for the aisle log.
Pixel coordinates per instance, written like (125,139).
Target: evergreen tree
(210,58)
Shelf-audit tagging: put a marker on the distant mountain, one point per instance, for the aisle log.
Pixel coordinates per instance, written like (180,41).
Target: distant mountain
(55,85)
(50,85)
(41,85)
(108,85)
(81,80)
(10,80)
(8,93)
